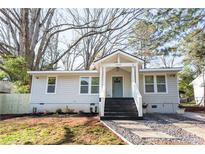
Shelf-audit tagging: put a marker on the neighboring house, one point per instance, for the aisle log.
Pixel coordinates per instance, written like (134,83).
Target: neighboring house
(119,86)
(198,85)
(5,87)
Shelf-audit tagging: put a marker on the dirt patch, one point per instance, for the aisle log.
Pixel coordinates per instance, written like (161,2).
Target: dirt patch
(194,109)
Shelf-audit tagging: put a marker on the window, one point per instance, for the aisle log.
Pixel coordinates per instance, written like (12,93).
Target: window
(95,85)
(149,84)
(155,84)
(51,85)
(161,83)
(84,85)
(89,85)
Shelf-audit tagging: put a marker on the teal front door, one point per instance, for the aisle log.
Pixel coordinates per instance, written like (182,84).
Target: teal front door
(117,87)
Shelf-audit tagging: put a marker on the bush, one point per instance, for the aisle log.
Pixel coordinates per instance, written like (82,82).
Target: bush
(67,110)
(20,88)
(81,112)
(59,111)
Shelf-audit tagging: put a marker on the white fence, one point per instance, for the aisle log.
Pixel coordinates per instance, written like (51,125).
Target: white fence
(14,103)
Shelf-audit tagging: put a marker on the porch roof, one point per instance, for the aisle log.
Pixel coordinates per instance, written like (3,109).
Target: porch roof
(119,52)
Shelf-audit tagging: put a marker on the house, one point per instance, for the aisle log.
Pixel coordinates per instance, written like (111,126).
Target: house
(119,87)
(198,85)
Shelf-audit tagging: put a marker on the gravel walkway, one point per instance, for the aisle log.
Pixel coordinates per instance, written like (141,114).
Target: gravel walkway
(157,123)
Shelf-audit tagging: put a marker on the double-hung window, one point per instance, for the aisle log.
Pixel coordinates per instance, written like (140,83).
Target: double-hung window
(51,85)
(149,84)
(89,85)
(161,84)
(94,85)
(155,84)
(84,85)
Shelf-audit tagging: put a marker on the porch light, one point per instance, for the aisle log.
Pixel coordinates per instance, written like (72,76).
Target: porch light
(117,69)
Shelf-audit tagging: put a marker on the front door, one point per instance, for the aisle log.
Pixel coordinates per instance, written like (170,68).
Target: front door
(117,87)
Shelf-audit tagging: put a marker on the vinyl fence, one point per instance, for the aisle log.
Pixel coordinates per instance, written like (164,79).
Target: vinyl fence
(14,103)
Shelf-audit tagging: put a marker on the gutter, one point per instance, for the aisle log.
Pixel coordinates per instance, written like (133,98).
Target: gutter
(62,72)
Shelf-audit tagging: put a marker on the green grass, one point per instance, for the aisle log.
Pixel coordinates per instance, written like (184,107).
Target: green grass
(96,134)
(12,132)
(189,104)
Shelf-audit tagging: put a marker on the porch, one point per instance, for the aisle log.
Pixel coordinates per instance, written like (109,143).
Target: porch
(119,91)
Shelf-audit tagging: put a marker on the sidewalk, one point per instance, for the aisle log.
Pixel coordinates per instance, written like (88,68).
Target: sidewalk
(195,116)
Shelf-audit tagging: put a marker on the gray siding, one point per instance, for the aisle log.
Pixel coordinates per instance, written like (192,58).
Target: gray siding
(67,94)
(166,103)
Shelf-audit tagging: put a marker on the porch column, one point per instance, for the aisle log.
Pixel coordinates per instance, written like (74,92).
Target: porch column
(132,80)
(104,81)
(137,76)
(103,91)
(100,84)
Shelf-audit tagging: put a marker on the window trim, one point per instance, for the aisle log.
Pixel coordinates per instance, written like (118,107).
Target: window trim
(161,83)
(89,85)
(149,84)
(155,83)
(47,84)
(94,85)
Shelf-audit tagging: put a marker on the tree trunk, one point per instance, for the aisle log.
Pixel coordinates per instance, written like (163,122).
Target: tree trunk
(203,85)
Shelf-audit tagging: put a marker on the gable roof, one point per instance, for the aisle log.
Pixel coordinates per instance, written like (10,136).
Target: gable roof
(119,52)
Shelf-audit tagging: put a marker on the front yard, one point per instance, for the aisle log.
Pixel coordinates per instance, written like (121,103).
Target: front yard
(56,129)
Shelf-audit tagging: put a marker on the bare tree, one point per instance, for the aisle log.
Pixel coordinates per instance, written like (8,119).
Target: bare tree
(31,33)
(118,25)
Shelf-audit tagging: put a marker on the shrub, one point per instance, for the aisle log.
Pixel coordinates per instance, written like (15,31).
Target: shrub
(81,112)
(68,110)
(59,111)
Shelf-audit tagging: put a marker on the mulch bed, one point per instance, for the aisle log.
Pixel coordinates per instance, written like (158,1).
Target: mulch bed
(194,109)
(10,116)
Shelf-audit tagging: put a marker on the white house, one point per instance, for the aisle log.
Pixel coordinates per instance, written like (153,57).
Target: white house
(118,86)
(198,85)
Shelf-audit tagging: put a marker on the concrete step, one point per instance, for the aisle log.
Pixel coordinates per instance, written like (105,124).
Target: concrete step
(120,114)
(120,108)
(121,118)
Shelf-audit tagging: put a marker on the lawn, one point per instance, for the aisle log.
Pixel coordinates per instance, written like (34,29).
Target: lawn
(56,130)
(188,104)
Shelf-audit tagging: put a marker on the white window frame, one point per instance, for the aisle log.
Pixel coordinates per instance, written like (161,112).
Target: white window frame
(149,84)
(89,85)
(161,83)
(47,84)
(94,85)
(155,83)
